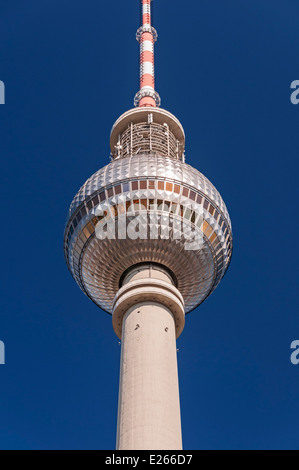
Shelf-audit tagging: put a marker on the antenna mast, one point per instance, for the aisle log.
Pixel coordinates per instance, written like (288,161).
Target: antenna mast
(147,36)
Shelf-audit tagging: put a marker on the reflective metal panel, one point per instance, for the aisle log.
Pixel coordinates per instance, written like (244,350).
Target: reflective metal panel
(169,196)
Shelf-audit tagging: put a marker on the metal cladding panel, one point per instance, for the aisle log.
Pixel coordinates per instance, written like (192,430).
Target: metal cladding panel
(98,264)
(148,166)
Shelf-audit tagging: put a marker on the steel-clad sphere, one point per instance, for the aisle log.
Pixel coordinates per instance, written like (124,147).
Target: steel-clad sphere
(165,195)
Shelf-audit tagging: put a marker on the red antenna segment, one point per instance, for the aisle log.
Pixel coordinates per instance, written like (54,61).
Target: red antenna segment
(147,36)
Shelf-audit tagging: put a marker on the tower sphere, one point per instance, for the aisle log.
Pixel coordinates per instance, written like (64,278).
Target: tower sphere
(148,206)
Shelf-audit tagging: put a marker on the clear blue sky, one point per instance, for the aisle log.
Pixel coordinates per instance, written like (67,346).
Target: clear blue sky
(224,69)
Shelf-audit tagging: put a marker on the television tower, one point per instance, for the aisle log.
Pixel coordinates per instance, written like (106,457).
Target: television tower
(148,239)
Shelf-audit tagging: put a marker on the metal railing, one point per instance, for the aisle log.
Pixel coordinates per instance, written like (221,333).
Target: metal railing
(148,138)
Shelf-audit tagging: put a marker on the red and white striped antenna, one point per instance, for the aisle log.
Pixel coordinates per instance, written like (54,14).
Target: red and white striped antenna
(147,36)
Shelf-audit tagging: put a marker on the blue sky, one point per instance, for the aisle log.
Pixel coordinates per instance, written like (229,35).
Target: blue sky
(224,69)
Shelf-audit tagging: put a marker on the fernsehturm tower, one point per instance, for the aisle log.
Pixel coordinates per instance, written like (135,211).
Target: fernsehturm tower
(148,239)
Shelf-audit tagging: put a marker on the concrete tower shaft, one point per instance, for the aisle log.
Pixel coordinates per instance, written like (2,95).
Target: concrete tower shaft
(148,315)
